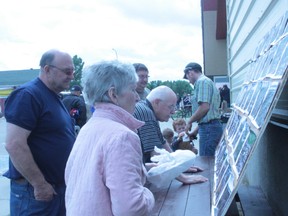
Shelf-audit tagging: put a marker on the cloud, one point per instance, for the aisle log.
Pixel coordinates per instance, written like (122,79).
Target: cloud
(161,12)
(164,35)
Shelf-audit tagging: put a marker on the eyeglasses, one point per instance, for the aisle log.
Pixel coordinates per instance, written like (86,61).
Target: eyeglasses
(67,71)
(170,107)
(143,76)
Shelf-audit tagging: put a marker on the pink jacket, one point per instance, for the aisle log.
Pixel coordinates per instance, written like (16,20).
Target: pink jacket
(104,173)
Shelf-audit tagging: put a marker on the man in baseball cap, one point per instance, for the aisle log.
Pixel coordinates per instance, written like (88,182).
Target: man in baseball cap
(76,88)
(191,66)
(205,109)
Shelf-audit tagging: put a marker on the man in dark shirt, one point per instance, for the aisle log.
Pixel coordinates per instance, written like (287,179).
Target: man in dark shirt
(40,136)
(75,105)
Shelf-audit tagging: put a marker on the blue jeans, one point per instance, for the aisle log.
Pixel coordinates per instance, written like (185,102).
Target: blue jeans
(210,135)
(22,201)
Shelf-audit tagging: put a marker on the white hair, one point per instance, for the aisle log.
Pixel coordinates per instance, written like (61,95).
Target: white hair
(98,78)
(161,92)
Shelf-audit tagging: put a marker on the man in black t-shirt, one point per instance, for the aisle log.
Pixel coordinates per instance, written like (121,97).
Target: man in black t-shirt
(75,105)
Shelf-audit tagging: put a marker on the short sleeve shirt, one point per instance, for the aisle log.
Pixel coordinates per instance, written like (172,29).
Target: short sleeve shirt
(206,91)
(36,108)
(150,133)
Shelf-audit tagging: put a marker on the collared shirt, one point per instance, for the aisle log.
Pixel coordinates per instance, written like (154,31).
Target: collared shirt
(105,173)
(150,133)
(206,91)
(144,94)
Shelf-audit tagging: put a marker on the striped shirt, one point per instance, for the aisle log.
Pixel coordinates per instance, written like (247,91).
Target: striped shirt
(150,133)
(206,91)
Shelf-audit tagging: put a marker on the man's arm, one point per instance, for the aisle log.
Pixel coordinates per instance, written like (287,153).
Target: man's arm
(167,147)
(202,110)
(21,156)
(193,134)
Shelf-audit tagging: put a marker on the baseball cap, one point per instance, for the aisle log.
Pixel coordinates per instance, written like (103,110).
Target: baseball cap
(192,66)
(75,88)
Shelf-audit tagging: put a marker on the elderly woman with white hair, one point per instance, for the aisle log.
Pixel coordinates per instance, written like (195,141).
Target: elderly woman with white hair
(105,173)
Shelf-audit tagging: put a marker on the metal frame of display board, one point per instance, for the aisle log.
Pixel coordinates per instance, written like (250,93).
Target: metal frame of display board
(251,113)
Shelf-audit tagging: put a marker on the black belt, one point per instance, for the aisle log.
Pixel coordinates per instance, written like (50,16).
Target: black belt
(211,121)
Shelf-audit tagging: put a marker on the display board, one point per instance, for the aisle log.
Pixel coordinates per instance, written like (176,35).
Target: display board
(252,110)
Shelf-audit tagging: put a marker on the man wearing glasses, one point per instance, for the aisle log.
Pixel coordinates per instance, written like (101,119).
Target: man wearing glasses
(159,105)
(40,135)
(143,75)
(205,109)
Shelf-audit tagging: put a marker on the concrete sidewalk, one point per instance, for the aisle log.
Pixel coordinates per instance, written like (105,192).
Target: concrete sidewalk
(4,182)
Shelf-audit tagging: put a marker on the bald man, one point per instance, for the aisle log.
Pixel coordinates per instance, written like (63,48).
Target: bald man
(159,106)
(40,136)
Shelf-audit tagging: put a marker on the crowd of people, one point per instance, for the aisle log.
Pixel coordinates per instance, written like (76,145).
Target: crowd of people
(101,169)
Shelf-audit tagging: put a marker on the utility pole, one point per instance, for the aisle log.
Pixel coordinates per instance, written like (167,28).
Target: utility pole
(116,54)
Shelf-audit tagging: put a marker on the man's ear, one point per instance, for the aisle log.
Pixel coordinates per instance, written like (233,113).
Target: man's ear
(112,95)
(46,68)
(46,71)
(156,103)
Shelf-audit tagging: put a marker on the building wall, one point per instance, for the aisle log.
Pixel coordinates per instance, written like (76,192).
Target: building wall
(268,168)
(215,55)
(248,21)
(17,77)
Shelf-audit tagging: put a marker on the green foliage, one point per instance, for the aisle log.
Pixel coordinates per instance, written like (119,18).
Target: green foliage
(78,64)
(179,87)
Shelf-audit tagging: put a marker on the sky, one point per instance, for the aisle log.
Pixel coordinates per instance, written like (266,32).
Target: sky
(165,35)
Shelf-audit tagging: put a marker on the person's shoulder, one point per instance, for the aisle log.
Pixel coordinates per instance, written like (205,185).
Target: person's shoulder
(204,78)
(30,88)
(147,90)
(140,107)
(67,98)
(71,97)
(142,110)
(142,104)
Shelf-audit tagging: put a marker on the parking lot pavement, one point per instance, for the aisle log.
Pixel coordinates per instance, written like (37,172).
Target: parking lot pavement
(4,182)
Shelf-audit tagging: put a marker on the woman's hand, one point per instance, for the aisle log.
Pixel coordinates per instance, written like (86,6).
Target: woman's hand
(194,169)
(191,179)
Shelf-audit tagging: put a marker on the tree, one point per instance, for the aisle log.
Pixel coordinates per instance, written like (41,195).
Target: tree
(179,87)
(78,64)
(153,84)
